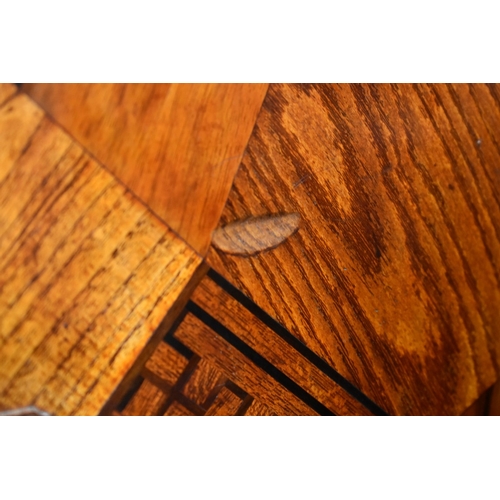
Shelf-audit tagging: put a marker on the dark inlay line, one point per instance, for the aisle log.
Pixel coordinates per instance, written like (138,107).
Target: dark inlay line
(130,393)
(244,406)
(295,343)
(178,386)
(213,394)
(173,342)
(236,390)
(257,359)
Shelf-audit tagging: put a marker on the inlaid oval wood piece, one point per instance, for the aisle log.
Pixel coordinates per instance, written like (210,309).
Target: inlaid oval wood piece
(255,234)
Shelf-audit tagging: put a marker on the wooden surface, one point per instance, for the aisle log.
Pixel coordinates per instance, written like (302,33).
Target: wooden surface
(255,234)
(494,401)
(176,146)
(488,404)
(393,276)
(479,408)
(6,90)
(226,357)
(178,382)
(87,273)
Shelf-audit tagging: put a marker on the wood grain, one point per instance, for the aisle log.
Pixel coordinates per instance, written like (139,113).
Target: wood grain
(494,401)
(478,408)
(255,234)
(180,383)
(178,410)
(234,365)
(221,341)
(176,146)
(167,363)
(257,409)
(204,380)
(146,401)
(217,379)
(226,403)
(393,276)
(87,274)
(6,90)
(257,335)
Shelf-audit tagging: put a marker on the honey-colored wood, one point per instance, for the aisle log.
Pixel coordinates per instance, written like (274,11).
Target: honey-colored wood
(277,351)
(88,275)
(257,409)
(172,384)
(393,277)
(255,234)
(167,363)
(6,90)
(146,401)
(204,380)
(226,403)
(178,410)
(221,340)
(176,146)
(231,363)
(219,380)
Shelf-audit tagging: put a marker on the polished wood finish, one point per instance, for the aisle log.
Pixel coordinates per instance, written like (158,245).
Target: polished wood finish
(204,380)
(178,410)
(493,407)
(393,276)
(180,384)
(176,146)
(225,357)
(90,279)
(6,90)
(226,403)
(146,401)
(478,408)
(255,234)
(264,340)
(488,404)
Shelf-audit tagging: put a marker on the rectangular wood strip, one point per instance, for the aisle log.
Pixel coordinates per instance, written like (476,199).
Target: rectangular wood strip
(167,363)
(147,401)
(202,382)
(226,404)
(234,365)
(257,409)
(176,409)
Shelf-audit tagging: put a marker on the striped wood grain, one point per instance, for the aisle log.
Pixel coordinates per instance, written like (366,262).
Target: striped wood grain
(87,273)
(224,356)
(494,401)
(393,276)
(177,382)
(176,146)
(6,90)
(267,342)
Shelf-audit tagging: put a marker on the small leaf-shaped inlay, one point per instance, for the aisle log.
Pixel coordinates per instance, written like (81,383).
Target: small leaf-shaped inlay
(253,235)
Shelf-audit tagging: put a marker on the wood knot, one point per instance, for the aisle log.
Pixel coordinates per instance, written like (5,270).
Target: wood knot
(255,234)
